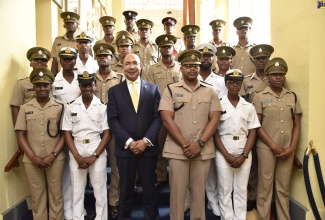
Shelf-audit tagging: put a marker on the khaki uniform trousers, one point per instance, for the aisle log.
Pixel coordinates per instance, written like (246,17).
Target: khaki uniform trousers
(253,176)
(114,188)
(46,187)
(184,174)
(273,172)
(162,163)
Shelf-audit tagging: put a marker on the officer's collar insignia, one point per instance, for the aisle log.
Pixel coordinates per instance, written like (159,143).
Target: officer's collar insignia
(166,38)
(130,13)
(68,17)
(107,21)
(193,57)
(83,35)
(101,48)
(40,52)
(205,49)
(67,50)
(85,74)
(190,29)
(242,21)
(143,23)
(223,51)
(123,37)
(277,64)
(260,50)
(236,73)
(41,74)
(217,22)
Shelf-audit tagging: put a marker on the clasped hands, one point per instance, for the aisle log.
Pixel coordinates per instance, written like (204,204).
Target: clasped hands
(192,149)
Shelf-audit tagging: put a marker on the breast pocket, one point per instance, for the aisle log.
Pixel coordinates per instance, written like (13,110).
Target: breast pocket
(246,118)
(180,104)
(75,119)
(270,109)
(160,79)
(95,118)
(224,117)
(29,95)
(30,121)
(204,106)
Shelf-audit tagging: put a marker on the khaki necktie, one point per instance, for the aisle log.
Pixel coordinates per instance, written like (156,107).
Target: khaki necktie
(134,96)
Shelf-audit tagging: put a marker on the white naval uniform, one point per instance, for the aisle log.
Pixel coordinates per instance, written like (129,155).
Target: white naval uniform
(218,83)
(87,124)
(234,121)
(64,92)
(91,65)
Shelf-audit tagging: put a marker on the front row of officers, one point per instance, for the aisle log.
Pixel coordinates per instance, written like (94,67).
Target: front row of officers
(196,118)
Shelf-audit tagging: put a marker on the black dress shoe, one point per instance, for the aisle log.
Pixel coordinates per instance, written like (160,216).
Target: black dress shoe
(113,213)
(251,204)
(160,184)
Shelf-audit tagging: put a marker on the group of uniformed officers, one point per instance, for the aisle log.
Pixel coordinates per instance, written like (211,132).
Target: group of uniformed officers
(222,118)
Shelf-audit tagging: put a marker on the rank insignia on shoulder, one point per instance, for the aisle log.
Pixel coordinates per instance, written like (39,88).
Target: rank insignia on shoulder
(73,114)
(223,112)
(70,102)
(249,87)
(58,88)
(178,95)
(30,90)
(22,79)
(105,103)
(268,100)
(29,113)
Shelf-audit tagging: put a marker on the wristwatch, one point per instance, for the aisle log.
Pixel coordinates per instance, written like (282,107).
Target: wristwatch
(95,154)
(244,155)
(55,154)
(201,143)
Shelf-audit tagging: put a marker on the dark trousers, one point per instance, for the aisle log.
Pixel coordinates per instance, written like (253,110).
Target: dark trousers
(146,167)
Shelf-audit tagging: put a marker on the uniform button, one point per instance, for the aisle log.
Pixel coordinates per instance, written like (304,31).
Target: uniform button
(250,92)
(281,121)
(145,57)
(194,137)
(104,84)
(193,108)
(41,123)
(42,134)
(241,67)
(103,93)
(168,80)
(281,109)
(242,58)
(281,132)
(32,94)
(194,122)
(279,99)
(42,145)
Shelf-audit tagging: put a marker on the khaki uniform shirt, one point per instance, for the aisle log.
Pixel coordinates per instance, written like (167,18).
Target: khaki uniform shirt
(223,43)
(277,114)
(148,55)
(23,92)
(34,119)
(192,118)
(242,60)
(115,56)
(102,86)
(252,84)
(58,44)
(161,76)
(136,36)
(118,67)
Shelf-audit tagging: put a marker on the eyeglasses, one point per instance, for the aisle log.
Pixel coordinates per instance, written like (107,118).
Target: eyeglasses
(230,82)
(189,66)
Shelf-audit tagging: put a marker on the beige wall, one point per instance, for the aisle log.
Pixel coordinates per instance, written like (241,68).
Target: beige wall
(298,36)
(20,34)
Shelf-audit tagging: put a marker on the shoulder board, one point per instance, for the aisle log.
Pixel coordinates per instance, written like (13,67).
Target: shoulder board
(70,102)
(250,75)
(22,79)
(220,98)
(105,103)
(205,83)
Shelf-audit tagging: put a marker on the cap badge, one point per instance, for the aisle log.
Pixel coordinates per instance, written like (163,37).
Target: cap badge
(260,50)
(223,51)
(68,17)
(169,20)
(107,21)
(166,38)
(217,22)
(235,73)
(101,48)
(242,21)
(123,37)
(129,13)
(205,49)
(190,29)
(277,64)
(44,56)
(41,74)
(193,57)
(143,23)
(83,35)
(67,50)
(85,74)
(40,52)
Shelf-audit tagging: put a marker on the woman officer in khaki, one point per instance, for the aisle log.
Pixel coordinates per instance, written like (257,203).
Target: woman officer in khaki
(279,114)
(38,134)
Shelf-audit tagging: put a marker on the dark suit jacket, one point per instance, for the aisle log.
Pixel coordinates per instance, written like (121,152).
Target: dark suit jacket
(125,122)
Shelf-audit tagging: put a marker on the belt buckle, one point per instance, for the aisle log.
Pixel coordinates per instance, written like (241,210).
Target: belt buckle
(85,141)
(235,138)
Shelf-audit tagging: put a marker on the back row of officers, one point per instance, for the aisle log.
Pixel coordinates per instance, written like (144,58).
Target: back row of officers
(220,117)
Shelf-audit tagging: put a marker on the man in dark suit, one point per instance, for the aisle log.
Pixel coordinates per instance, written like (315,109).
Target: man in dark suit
(134,120)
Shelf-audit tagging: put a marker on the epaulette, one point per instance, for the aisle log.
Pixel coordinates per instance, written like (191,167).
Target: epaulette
(205,83)
(250,75)
(105,103)
(22,78)
(70,102)
(220,99)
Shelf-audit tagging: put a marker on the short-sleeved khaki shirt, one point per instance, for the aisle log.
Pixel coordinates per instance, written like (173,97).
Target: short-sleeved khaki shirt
(102,86)
(148,55)
(191,118)
(278,112)
(34,119)
(252,84)
(118,67)
(161,76)
(23,92)
(242,60)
